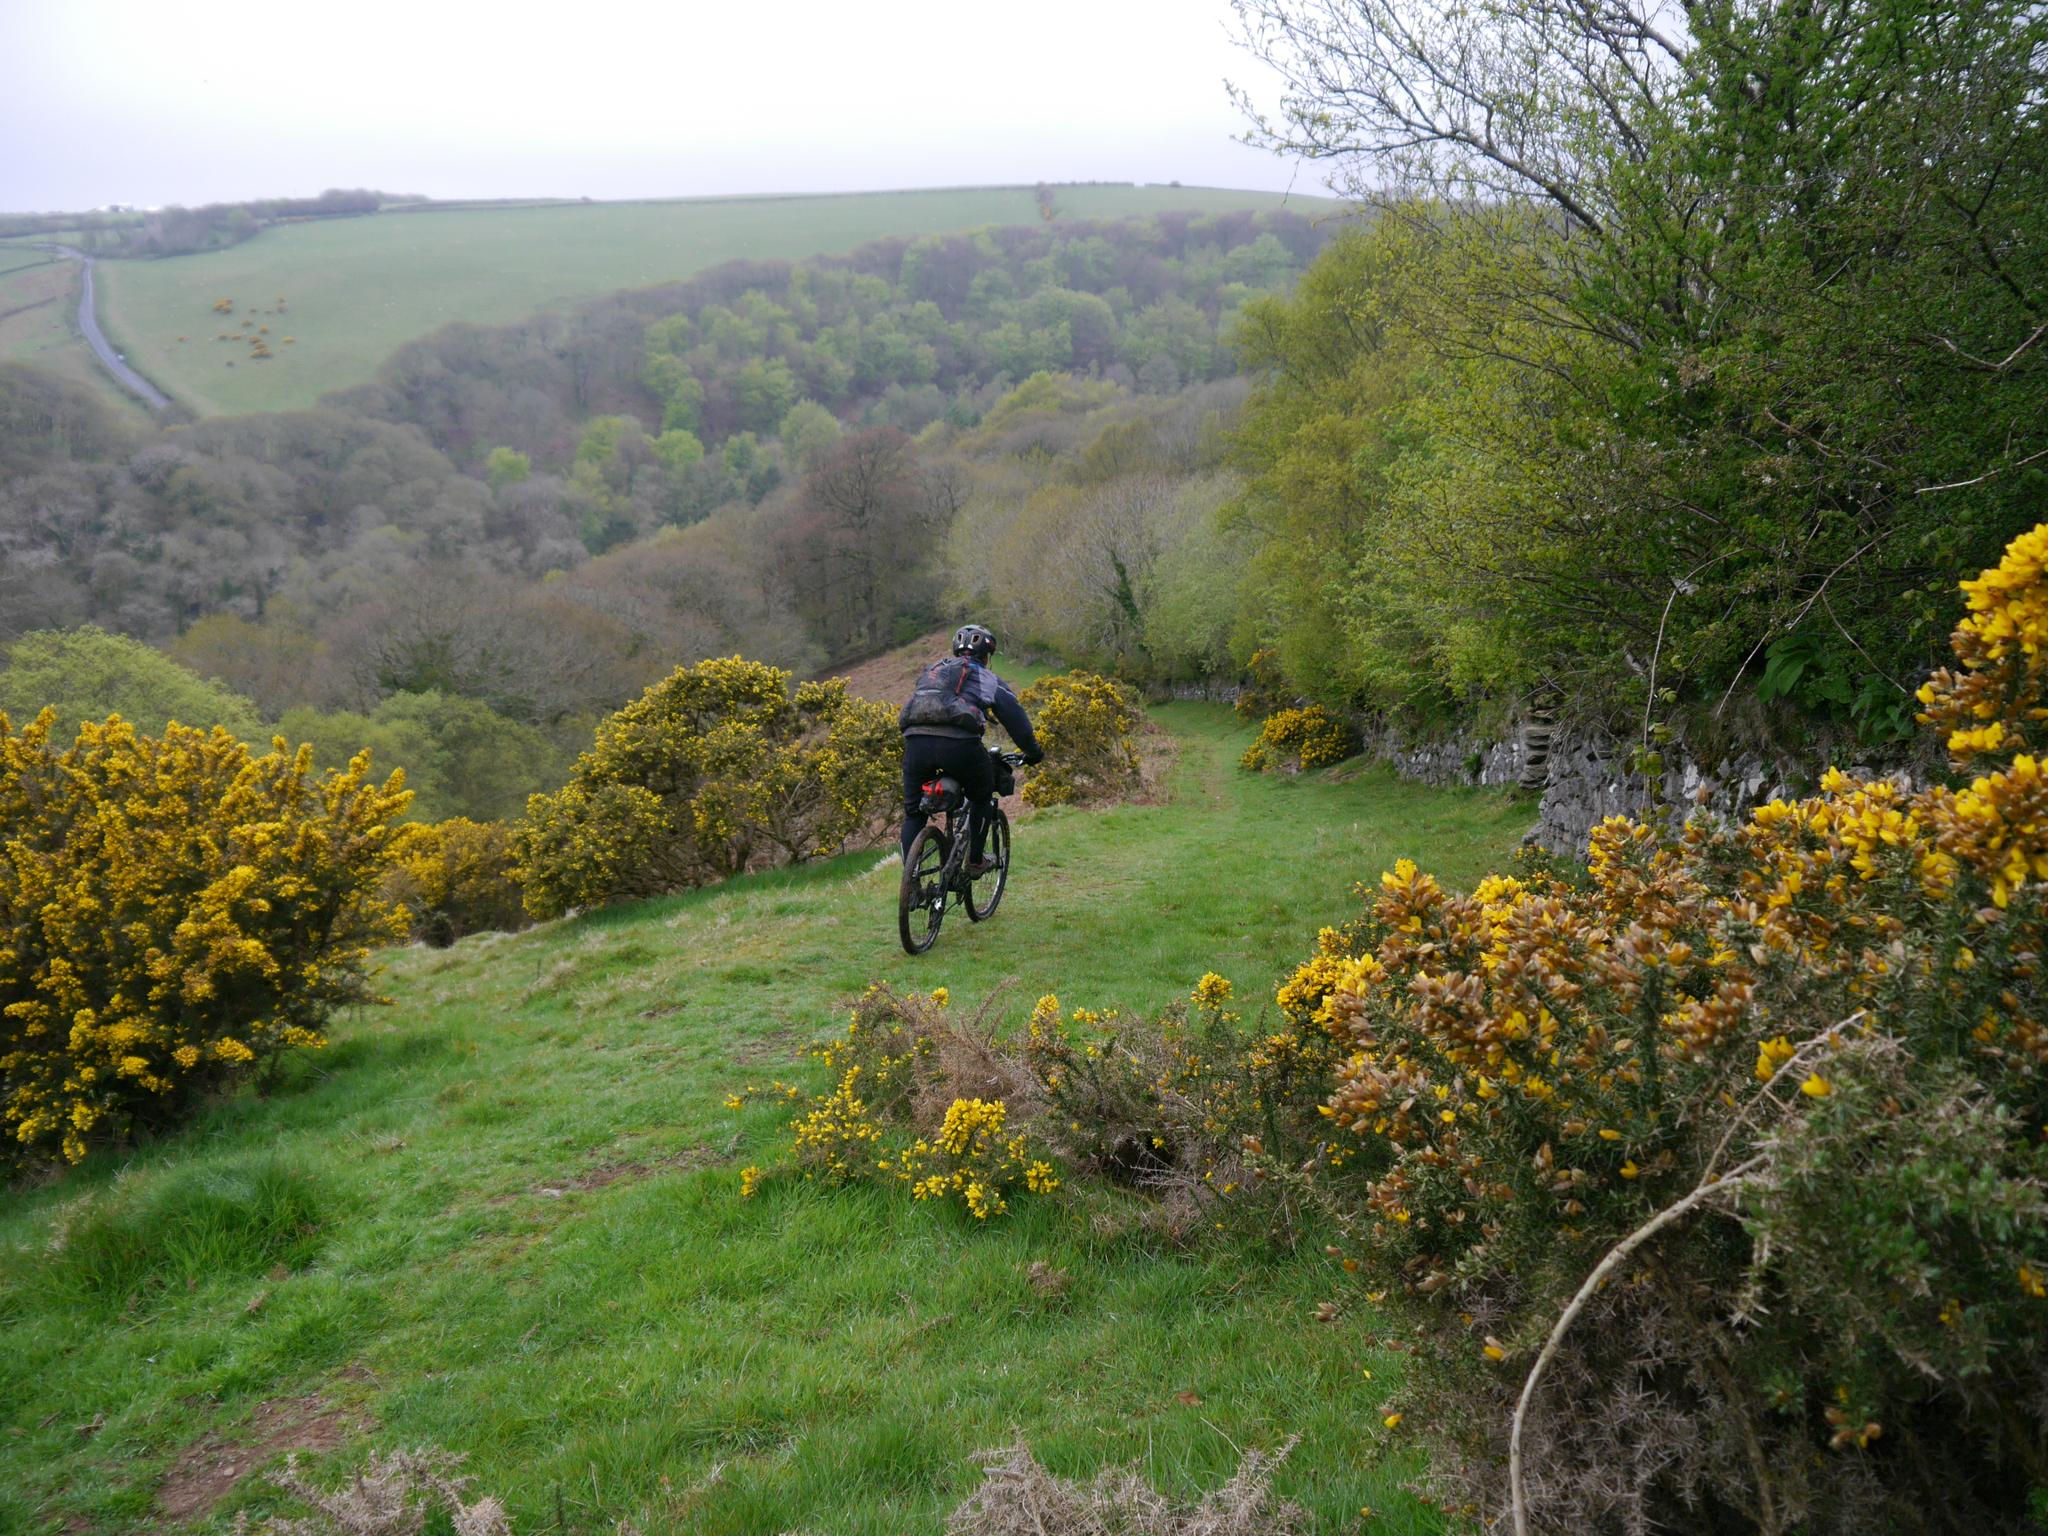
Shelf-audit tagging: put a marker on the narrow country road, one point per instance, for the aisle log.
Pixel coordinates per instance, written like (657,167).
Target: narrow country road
(89,323)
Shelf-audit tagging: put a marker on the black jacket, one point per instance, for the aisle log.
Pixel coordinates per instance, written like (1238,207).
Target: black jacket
(995,697)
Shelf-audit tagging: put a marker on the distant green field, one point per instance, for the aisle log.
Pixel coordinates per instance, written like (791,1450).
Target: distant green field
(36,292)
(356,289)
(38,299)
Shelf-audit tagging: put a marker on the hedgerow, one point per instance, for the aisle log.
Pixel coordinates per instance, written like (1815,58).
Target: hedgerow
(174,913)
(1085,723)
(715,769)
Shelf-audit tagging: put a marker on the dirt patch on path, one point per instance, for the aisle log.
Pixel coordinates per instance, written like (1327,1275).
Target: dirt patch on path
(208,1469)
(603,1174)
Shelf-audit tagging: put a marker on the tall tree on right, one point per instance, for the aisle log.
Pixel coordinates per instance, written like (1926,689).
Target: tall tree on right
(1768,280)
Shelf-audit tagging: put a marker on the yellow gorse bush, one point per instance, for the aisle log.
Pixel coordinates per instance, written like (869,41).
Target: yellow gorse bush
(888,1064)
(714,770)
(456,877)
(1086,724)
(1845,985)
(1300,739)
(173,912)
(974,1160)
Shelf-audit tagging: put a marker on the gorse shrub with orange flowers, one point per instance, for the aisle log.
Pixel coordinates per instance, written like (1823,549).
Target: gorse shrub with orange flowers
(456,877)
(1295,740)
(716,769)
(1738,1144)
(1085,723)
(174,913)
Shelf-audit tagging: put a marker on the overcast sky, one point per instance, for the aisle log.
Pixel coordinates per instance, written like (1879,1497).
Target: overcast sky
(149,102)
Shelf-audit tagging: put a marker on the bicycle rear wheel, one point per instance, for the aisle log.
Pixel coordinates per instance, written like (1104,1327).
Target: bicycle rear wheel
(921,900)
(983,894)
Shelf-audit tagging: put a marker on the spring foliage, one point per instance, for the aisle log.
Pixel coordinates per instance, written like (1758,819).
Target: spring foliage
(174,912)
(1086,725)
(1825,1028)
(715,769)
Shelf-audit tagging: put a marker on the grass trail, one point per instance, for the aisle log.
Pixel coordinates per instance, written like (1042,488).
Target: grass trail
(502,1215)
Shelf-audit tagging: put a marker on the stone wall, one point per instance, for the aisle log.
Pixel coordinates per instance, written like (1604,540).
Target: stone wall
(1584,780)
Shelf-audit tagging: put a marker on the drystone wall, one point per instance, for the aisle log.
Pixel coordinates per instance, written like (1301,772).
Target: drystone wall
(1583,778)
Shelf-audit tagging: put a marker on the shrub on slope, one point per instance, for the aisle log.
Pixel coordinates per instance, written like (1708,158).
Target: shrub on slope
(173,913)
(1713,1180)
(716,768)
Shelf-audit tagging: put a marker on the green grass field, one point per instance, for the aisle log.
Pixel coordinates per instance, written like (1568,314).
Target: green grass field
(502,1216)
(355,289)
(38,292)
(38,306)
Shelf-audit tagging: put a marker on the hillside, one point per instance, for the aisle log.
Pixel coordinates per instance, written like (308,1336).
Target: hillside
(526,1239)
(352,290)
(38,304)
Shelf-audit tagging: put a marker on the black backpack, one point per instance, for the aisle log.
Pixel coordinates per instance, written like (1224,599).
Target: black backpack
(940,699)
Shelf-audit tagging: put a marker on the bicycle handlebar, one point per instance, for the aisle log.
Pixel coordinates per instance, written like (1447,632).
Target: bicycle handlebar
(1014,759)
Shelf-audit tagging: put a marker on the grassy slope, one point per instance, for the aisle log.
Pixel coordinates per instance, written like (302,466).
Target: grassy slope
(38,305)
(531,1246)
(357,288)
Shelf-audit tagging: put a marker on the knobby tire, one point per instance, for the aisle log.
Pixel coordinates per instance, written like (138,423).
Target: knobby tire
(921,899)
(984,894)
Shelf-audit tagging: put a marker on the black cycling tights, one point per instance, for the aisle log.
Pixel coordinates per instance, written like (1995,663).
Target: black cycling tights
(926,757)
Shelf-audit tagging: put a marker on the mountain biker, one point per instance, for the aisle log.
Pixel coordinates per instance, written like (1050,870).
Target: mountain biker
(943,725)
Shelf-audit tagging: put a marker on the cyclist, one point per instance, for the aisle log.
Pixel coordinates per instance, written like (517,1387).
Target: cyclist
(943,725)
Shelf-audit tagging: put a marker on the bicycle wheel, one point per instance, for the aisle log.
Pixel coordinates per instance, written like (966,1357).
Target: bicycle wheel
(921,901)
(983,894)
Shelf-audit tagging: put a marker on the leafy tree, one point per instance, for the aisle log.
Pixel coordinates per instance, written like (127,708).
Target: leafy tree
(506,466)
(1748,305)
(807,432)
(482,765)
(88,674)
(763,391)
(336,736)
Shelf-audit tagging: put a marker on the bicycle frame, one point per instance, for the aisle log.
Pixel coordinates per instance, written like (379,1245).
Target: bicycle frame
(949,884)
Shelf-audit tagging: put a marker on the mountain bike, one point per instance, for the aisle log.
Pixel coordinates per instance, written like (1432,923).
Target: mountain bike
(935,877)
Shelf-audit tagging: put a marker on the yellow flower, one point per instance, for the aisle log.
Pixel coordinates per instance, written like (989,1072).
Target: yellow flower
(1392,1420)
(1816,1087)
(1770,1056)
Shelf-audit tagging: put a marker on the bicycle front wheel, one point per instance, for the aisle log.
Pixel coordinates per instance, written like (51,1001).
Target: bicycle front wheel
(921,900)
(983,894)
